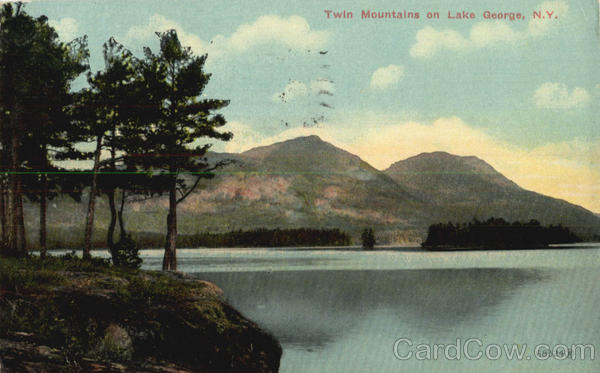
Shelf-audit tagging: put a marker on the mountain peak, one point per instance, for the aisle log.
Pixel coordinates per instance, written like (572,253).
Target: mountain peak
(308,138)
(440,155)
(305,154)
(443,162)
(297,142)
(453,178)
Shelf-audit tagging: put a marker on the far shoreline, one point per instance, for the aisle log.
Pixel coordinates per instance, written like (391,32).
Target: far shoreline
(413,247)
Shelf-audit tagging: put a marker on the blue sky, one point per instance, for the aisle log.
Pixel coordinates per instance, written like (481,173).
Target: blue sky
(524,95)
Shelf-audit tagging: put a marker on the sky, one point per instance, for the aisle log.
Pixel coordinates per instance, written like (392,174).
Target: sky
(521,94)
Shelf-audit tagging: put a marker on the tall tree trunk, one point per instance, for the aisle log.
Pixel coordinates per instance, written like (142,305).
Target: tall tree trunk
(3,196)
(18,219)
(43,209)
(4,176)
(5,216)
(43,197)
(18,225)
(170,258)
(9,239)
(3,219)
(89,223)
(110,236)
(123,232)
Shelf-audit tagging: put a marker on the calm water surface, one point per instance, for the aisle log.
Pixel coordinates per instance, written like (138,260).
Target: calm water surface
(343,311)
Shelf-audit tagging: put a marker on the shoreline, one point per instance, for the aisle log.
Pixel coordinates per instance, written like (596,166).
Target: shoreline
(352,248)
(101,318)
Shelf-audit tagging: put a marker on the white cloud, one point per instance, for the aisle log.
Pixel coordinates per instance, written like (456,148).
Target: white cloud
(158,23)
(557,96)
(568,170)
(243,134)
(430,41)
(551,169)
(293,32)
(485,34)
(385,77)
(67,28)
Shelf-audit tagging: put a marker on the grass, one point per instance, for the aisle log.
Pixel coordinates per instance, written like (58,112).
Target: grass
(68,304)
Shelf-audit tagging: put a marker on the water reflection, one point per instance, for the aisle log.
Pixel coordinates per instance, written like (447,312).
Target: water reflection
(310,309)
(193,264)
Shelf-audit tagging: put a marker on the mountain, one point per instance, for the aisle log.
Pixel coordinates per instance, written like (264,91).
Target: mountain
(469,187)
(307,182)
(447,179)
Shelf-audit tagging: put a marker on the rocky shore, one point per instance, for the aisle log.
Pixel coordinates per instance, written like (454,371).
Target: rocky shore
(68,315)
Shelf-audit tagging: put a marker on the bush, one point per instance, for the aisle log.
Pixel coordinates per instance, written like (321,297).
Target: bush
(368,238)
(125,253)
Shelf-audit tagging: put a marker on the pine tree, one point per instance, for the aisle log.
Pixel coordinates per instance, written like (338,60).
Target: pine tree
(35,75)
(50,123)
(102,111)
(171,121)
(368,238)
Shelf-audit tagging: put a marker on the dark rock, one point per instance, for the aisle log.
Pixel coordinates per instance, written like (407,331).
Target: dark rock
(129,321)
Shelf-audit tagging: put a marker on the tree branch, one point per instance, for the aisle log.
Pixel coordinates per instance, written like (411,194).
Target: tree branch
(219,164)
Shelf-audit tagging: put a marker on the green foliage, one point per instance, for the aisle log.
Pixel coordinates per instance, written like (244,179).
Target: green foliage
(368,238)
(497,233)
(165,316)
(34,271)
(30,302)
(149,113)
(172,116)
(140,290)
(36,73)
(163,135)
(268,238)
(44,317)
(69,262)
(125,253)
(15,278)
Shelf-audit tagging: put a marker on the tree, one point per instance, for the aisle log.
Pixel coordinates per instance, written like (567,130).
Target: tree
(123,180)
(115,97)
(171,120)
(368,238)
(17,36)
(50,124)
(102,111)
(35,75)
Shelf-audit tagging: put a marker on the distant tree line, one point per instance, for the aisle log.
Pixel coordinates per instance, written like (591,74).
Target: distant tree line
(496,233)
(147,113)
(268,238)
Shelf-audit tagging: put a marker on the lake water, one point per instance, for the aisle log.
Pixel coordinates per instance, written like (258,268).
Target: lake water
(356,311)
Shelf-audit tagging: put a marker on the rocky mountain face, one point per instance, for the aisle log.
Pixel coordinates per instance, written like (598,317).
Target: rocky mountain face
(307,182)
(468,187)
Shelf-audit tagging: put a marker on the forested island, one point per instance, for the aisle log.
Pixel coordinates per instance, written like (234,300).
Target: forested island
(496,233)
